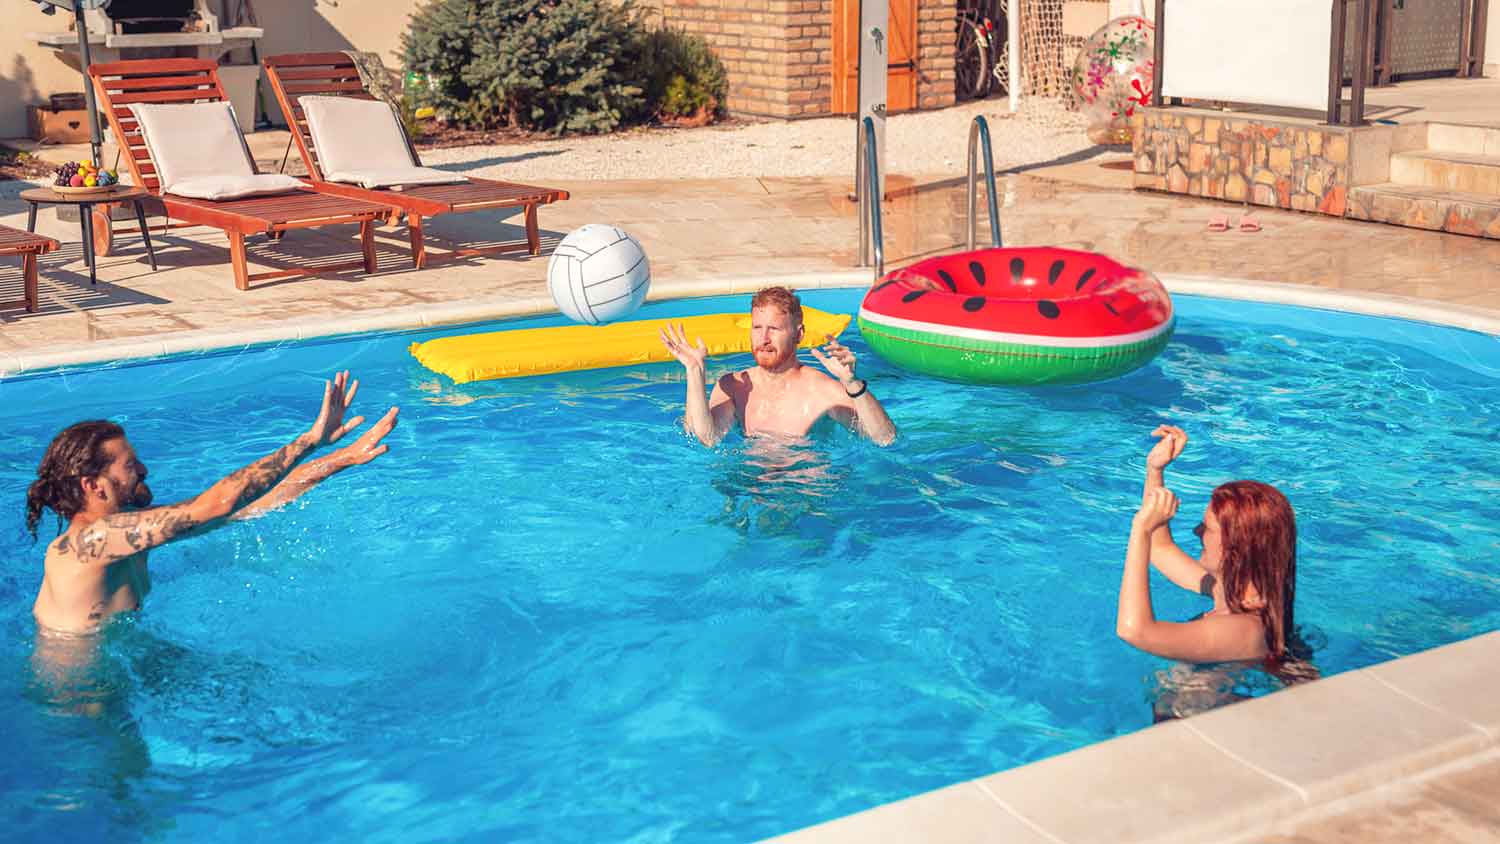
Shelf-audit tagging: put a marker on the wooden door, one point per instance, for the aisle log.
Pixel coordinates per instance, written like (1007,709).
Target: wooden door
(901,41)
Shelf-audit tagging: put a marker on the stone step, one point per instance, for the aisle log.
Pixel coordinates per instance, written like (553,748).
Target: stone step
(1474,140)
(1447,171)
(1459,212)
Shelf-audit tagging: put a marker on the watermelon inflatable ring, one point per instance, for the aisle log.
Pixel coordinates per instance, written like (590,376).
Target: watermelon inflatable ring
(1018,316)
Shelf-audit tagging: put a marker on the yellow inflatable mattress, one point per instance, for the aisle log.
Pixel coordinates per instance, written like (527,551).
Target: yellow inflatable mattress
(542,351)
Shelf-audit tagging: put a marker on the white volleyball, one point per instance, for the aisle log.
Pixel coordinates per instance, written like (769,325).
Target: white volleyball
(598,274)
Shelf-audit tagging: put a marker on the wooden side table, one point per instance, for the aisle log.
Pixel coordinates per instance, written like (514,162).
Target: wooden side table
(36,197)
(28,246)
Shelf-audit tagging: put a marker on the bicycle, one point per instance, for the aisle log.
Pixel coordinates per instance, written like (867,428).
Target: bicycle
(982,55)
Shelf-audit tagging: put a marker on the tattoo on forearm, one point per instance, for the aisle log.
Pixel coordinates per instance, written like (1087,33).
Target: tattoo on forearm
(147,529)
(261,475)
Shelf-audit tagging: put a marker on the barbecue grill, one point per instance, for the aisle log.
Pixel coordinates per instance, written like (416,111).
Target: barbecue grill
(161,29)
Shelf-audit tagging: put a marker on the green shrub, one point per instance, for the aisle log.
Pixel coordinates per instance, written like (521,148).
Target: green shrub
(547,65)
(680,74)
(439,43)
(557,65)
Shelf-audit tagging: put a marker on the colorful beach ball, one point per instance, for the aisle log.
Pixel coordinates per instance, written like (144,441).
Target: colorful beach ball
(1112,77)
(598,274)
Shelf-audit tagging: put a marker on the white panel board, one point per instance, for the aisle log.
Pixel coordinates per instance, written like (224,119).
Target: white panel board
(1268,52)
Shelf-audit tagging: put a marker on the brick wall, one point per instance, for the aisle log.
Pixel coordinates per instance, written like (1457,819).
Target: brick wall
(936,46)
(779,53)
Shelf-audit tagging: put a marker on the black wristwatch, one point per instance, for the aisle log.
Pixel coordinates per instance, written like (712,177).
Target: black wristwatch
(864,387)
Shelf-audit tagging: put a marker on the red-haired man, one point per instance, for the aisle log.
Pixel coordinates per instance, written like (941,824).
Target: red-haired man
(778,395)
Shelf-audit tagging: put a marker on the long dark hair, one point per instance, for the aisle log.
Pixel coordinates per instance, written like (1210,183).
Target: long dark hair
(1260,557)
(76,453)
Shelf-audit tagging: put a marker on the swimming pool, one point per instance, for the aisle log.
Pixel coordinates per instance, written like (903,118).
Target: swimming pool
(549,615)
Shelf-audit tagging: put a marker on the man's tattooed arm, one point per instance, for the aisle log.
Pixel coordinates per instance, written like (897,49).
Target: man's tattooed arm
(126,534)
(251,482)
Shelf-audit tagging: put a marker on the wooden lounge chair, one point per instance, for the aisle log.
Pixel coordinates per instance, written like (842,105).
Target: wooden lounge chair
(120,84)
(28,246)
(297,75)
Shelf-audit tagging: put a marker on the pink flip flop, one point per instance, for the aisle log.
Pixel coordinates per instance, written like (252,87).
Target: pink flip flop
(1218,223)
(1249,224)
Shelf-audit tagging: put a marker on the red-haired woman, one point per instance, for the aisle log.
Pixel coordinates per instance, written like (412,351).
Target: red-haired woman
(1248,567)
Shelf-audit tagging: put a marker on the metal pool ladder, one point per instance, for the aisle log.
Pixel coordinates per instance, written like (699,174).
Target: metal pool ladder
(867,182)
(979,130)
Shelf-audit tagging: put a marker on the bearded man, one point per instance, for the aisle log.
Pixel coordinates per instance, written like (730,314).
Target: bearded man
(778,395)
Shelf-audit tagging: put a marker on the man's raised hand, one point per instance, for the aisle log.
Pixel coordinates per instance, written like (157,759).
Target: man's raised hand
(837,359)
(690,356)
(369,445)
(337,395)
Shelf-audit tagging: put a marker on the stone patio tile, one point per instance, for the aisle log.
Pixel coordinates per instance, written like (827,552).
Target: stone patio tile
(1447,681)
(1337,735)
(1488,299)
(1455,804)
(959,814)
(148,323)
(1164,783)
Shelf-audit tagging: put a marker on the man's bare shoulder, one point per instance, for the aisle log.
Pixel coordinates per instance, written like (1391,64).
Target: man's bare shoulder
(736,381)
(61,547)
(824,384)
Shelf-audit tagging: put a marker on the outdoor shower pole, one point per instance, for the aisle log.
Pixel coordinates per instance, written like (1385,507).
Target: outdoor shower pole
(1013,42)
(874,66)
(88,82)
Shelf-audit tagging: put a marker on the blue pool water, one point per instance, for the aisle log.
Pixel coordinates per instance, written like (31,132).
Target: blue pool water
(548,615)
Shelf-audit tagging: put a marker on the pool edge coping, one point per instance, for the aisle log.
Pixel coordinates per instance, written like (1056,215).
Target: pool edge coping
(499,307)
(1130,793)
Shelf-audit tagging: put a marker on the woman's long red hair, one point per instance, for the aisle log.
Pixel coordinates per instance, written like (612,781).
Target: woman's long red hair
(1260,557)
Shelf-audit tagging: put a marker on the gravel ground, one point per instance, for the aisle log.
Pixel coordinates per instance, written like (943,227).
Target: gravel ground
(926,143)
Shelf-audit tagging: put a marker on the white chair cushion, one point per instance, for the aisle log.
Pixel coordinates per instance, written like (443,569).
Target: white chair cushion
(351,134)
(391,176)
(192,140)
(234,187)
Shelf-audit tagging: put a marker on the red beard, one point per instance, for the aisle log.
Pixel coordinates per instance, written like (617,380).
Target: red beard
(771,358)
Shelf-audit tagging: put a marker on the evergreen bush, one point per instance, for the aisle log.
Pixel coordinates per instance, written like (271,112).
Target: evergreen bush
(439,44)
(681,75)
(558,65)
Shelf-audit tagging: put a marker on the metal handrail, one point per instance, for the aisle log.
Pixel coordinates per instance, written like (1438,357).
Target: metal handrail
(979,130)
(867,183)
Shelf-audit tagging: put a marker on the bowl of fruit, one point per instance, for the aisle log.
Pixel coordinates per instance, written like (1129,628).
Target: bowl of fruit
(83,178)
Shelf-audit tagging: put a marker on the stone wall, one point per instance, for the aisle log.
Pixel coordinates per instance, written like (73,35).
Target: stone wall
(1297,166)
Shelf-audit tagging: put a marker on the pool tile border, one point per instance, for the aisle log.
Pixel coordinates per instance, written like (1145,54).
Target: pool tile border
(508,306)
(1469,317)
